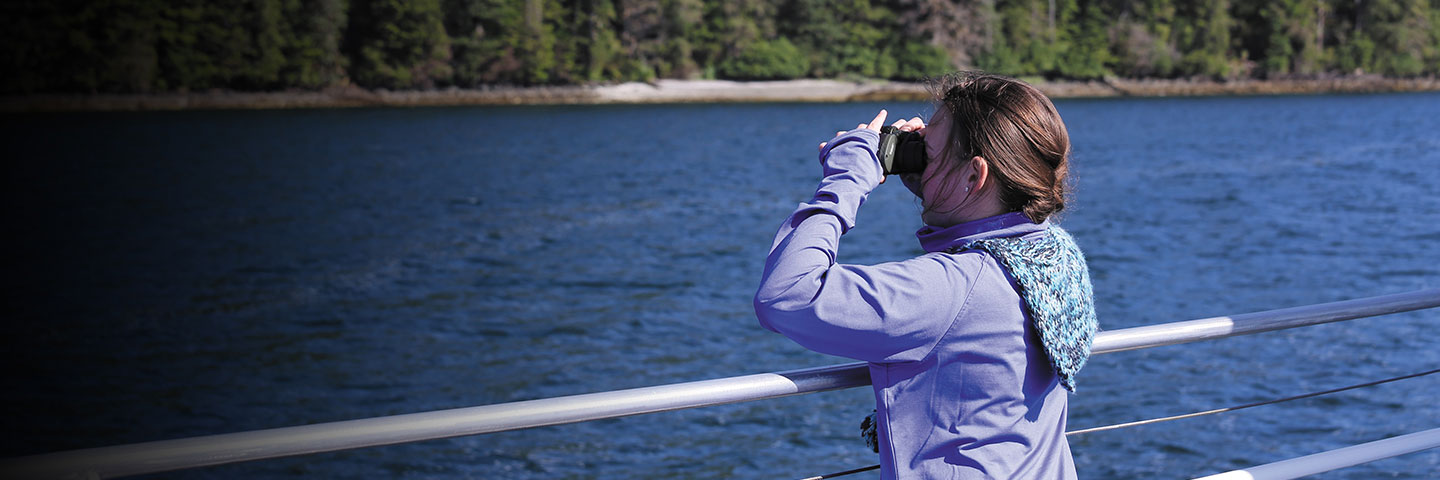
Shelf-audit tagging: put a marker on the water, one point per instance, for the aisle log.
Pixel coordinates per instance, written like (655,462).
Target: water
(180,274)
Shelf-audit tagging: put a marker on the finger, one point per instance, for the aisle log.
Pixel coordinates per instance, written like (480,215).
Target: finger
(915,123)
(822,147)
(839,133)
(900,124)
(878,121)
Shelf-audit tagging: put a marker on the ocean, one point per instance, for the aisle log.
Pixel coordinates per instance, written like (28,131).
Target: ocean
(174,274)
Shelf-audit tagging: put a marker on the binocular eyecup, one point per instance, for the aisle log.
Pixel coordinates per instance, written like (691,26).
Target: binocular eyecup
(901,152)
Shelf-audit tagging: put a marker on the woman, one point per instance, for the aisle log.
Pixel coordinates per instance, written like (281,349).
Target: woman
(972,346)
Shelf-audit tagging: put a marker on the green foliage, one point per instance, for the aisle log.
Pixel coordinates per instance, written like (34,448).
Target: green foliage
(680,33)
(400,44)
(1292,33)
(311,43)
(765,60)
(180,45)
(844,37)
(1204,37)
(1001,58)
(1089,51)
(1028,43)
(109,45)
(1402,29)
(917,61)
(1358,54)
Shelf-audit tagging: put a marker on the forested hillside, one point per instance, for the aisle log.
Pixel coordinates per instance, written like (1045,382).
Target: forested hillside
(187,45)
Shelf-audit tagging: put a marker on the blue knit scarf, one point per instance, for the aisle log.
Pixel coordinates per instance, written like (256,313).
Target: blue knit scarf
(1055,283)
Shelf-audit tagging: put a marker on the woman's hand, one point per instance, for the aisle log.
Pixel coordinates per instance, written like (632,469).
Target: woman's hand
(911,180)
(873,125)
(913,125)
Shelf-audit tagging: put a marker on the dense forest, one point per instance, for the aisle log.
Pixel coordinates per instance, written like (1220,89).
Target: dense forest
(188,45)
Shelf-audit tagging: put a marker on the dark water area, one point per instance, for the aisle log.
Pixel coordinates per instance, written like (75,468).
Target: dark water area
(190,273)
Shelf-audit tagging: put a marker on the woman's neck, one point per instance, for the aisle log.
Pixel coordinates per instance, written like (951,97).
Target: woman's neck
(987,204)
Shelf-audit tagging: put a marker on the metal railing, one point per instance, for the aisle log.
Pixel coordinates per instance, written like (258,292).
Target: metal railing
(1336,459)
(168,455)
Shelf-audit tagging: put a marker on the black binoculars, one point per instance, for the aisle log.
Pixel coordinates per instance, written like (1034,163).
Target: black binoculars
(901,152)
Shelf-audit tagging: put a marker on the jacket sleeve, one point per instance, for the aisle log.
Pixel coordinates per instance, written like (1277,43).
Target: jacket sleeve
(892,312)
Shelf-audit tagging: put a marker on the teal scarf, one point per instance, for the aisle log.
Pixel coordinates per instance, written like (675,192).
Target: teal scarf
(1055,283)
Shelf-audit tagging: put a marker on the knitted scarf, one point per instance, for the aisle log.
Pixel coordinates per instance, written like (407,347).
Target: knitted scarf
(1055,284)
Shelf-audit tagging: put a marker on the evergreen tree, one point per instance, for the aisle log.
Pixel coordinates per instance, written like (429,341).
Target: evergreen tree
(641,36)
(681,29)
(919,61)
(1089,45)
(313,32)
(765,60)
(1292,33)
(1402,30)
(36,34)
(118,37)
(1141,39)
(1204,37)
(399,44)
(603,59)
(731,29)
(1033,37)
(180,45)
(842,37)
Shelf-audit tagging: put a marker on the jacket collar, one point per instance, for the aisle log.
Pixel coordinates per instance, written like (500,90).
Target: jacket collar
(1012,224)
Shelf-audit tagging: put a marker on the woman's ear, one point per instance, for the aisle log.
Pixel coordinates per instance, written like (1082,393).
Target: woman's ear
(979,172)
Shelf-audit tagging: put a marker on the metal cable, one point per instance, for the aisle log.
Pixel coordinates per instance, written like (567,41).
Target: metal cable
(1178,417)
(1248,405)
(844,473)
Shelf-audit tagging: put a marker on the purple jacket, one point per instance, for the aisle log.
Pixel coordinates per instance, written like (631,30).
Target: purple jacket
(962,385)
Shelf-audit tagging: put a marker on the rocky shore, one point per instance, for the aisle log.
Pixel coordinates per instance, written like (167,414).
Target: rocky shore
(687,91)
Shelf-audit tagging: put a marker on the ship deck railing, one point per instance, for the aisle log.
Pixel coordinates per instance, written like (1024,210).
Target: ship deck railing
(186,453)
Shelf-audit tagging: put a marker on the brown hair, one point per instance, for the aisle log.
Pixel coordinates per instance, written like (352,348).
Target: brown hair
(1016,129)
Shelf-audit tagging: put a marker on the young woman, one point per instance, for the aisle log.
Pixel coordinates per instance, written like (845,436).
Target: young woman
(972,346)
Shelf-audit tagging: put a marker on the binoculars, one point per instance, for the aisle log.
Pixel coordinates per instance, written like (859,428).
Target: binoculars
(901,152)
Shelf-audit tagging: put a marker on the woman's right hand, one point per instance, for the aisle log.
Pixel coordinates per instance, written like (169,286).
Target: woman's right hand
(911,125)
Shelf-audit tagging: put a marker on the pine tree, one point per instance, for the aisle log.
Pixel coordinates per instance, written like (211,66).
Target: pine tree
(312,32)
(399,44)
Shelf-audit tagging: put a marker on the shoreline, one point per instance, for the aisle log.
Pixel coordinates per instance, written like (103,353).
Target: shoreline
(685,91)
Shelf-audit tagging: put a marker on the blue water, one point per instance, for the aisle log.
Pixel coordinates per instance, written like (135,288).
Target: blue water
(180,274)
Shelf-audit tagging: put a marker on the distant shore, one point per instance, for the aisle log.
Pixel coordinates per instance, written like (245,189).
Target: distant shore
(686,91)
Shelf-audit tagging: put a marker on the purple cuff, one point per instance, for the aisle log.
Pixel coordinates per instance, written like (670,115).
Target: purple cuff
(851,171)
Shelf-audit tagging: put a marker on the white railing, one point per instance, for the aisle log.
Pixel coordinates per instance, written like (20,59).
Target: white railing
(1336,459)
(168,455)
